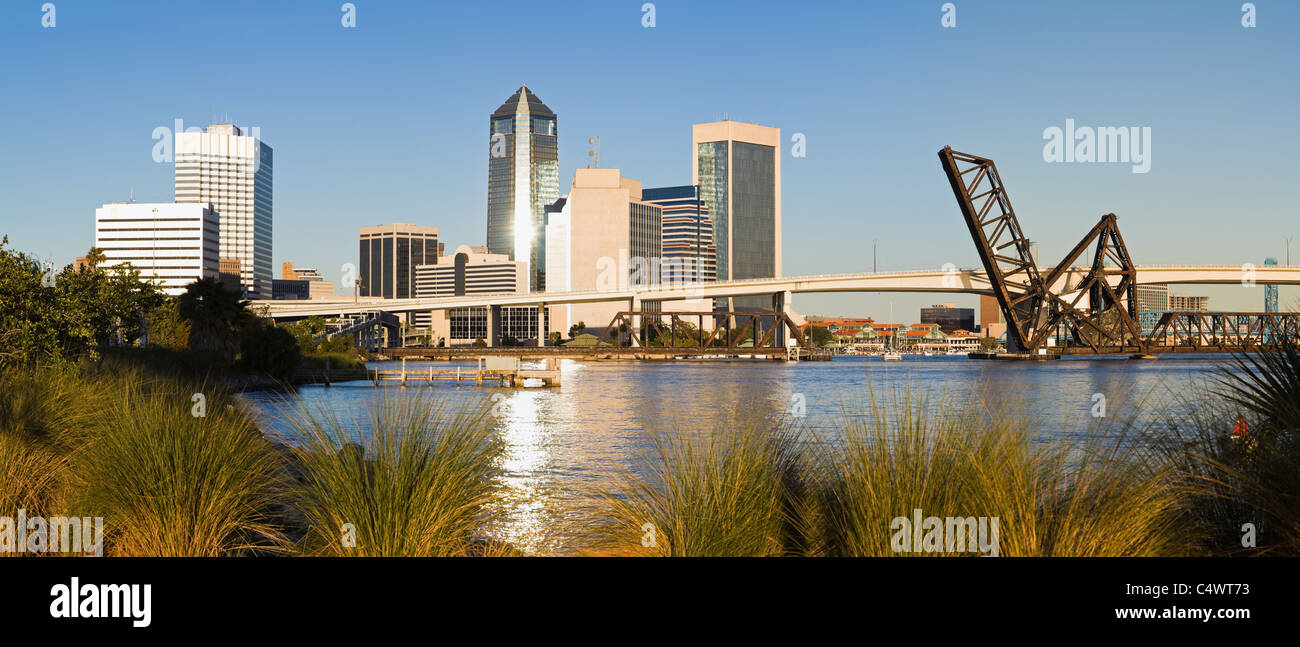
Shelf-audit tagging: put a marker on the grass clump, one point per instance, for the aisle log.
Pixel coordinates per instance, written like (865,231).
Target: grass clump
(732,489)
(979,459)
(1233,479)
(410,479)
(170,482)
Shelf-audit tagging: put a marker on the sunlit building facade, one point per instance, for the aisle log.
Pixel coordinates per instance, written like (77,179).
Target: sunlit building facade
(737,167)
(523,179)
(232,171)
(388,255)
(171,245)
(469,271)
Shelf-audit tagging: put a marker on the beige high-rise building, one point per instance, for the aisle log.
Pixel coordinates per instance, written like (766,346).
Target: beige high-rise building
(738,169)
(601,236)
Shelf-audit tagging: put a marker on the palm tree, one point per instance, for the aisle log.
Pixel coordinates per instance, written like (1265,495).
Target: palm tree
(216,316)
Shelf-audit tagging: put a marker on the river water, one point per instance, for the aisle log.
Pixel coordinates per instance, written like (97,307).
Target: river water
(560,439)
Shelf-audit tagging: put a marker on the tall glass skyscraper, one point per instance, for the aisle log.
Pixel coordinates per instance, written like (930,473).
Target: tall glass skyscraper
(738,169)
(523,179)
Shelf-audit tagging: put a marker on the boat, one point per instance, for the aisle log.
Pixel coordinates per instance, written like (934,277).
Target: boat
(892,355)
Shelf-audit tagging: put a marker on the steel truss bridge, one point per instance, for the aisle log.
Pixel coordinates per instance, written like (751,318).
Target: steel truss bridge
(1085,304)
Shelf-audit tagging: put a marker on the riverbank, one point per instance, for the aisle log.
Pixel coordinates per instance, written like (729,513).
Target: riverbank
(161,456)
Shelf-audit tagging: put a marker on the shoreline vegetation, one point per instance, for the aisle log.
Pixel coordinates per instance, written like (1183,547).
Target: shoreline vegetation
(118,438)
(153,441)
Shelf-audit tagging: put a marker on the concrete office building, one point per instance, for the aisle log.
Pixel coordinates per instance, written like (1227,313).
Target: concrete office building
(601,236)
(1152,297)
(290,273)
(1182,303)
(523,178)
(738,169)
(300,283)
(233,172)
(475,270)
(171,244)
(388,255)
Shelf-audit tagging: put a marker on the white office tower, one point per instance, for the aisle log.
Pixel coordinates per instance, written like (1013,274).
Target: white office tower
(171,245)
(232,171)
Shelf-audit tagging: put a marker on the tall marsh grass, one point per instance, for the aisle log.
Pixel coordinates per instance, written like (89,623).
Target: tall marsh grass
(1232,480)
(170,483)
(411,478)
(761,487)
(732,489)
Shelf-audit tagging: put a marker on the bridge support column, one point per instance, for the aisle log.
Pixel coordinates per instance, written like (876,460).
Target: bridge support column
(781,304)
(635,333)
(541,324)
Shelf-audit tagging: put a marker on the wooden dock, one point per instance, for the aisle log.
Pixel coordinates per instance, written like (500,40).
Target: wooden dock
(495,371)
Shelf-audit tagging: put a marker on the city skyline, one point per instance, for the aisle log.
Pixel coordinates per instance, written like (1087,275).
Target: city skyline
(876,180)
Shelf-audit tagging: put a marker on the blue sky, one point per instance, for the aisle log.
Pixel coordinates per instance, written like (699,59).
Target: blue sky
(388,121)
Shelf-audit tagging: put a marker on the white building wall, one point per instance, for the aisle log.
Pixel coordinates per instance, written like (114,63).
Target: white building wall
(232,171)
(170,244)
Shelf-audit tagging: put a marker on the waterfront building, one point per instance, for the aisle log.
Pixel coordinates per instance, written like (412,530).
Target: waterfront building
(962,341)
(523,178)
(388,256)
(172,245)
(605,238)
(475,270)
(233,172)
(689,253)
(737,167)
(949,317)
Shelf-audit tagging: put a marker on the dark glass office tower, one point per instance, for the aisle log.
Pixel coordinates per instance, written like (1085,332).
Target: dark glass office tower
(388,256)
(523,178)
(738,170)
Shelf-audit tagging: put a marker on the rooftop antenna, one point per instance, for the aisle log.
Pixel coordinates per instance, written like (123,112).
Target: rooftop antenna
(133,195)
(594,153)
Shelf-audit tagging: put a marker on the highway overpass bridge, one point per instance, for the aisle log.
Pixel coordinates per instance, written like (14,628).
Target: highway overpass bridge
(949,280)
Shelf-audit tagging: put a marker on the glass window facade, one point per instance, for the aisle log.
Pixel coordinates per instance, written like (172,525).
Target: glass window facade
(528,172)
(646,239)
(387,262)
(753,217)
(712,158)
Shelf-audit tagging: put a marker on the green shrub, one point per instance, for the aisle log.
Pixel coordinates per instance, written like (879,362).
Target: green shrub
(271,350)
